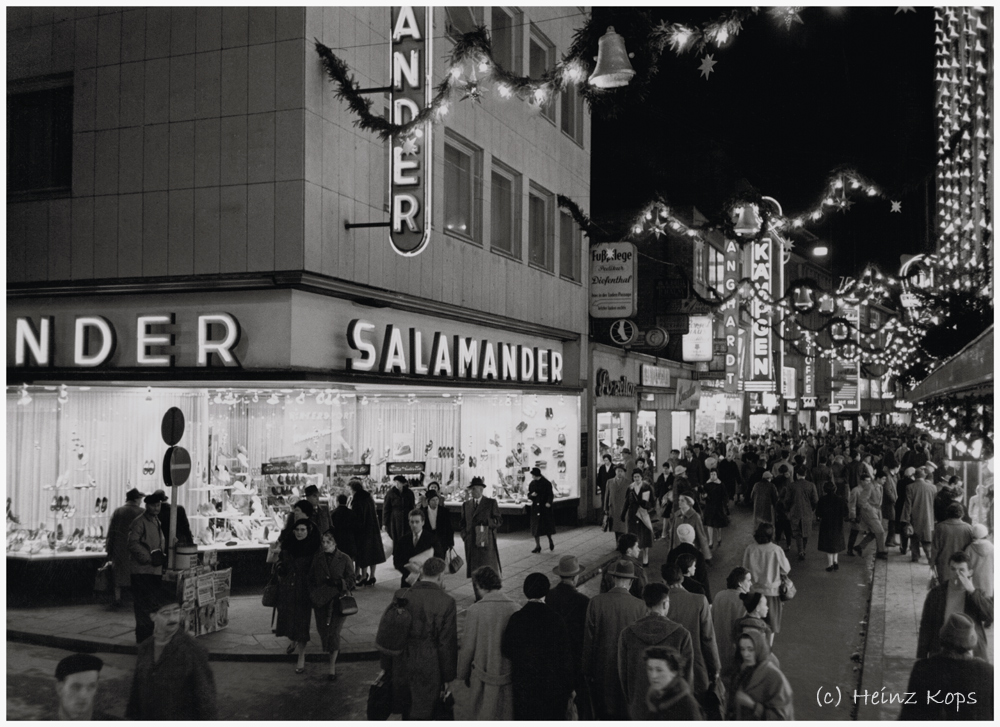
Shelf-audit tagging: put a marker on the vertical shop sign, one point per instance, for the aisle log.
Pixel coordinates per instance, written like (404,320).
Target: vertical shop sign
(845,393)
(730,313)
(410,62)
(696,344)
(612,280)
(762,375)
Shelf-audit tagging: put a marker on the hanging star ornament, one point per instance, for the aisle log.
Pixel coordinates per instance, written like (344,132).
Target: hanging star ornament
(904,10)
(409,145)
(706,65)
(473,91)
(897,207)
(787,15)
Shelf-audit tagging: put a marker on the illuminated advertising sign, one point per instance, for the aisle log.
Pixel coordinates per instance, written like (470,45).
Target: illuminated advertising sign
(612,280)
(762,377)
(410,161)
(845,391)
(696,344)
(730,314)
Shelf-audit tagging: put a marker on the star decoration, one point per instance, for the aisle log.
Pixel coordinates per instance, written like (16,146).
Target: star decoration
(787,15)
(659,230)
(904,10)
(410,145)
(897,207)
(845,205)
(473,91)
(706,65)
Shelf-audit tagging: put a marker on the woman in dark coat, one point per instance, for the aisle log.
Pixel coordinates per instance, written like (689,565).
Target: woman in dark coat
(639,496)
(345,528)
(299,543)
(543,521)
(716,515)
(605,473)
(832,512)
(331,576)
(368,535)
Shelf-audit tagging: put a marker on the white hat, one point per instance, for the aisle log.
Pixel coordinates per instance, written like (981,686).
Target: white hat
(680,469)
(685,533)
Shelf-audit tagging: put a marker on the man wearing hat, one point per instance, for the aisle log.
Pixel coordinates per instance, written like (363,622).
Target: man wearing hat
(571,605)
(116,545)
(607,615)
(396,507)
(952,670)
(957,595)
(543,521)
(918,512)
(480,520)
(147,544)
(76,686)
(615,501)
(173,679)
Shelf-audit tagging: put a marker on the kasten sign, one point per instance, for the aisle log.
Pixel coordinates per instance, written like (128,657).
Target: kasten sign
(411,60)
(612,280)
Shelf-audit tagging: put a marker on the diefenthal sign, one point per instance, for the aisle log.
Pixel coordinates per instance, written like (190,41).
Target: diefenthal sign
(612,280)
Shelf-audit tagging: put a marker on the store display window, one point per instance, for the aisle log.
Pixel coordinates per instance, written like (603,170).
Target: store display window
(73,452)
(614,433)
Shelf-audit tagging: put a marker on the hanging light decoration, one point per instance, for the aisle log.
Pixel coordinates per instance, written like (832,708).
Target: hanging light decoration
(273,398)
(804,300)
(747,221)
(613,69)
(149,394)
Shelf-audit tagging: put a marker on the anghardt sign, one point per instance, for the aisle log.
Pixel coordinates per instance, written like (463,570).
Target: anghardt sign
(410,49)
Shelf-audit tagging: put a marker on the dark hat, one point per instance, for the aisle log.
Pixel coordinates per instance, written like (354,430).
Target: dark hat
(959,631)
(400,478)
(166,595)
(311,490)
(568,567)
(433,567)
(133,494)
(637,471)
(535,472)
(536,585)
(305,506)
(157,496)
(620,466)
(76,663)
(476,482)
(622,569)
(751,600)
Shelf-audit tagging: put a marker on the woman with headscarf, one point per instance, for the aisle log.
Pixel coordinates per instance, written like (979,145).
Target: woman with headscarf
(758,690)
(331,576)
(605,473)
(298,543)
(639,497)
(684,513)
(767,564)
(754,620)
(368,537)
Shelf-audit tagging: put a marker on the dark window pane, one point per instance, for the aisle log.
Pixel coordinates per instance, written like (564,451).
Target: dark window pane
(457,190)
(502,210)
(503,39)
(537,231)
(39,139)
(569,248)
(462,20)
(538,63)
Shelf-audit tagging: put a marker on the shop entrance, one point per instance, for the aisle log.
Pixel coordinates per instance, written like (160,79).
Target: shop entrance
(614,433)
(680,427)
(646,435)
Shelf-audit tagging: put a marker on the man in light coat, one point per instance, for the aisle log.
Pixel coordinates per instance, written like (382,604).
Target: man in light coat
(919,513)
(951,535)
(117,542)
(617,488)
(693,613)
(481,665)
(147,545)
(607,615)
(800,504)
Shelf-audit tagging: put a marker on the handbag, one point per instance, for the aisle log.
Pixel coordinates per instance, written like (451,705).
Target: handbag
(273,553)
(347,605)
(786,591)
(102,579)
(380,699)
(455,563)
(269,599)
(444,708)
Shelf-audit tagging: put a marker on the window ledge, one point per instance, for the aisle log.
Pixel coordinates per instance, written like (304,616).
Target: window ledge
(463,238)
(504,254)
(572,138)
(578,283)
(38,195)
(536,266)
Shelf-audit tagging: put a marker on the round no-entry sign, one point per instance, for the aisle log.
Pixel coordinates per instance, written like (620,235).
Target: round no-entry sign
(176,467)
(172,426)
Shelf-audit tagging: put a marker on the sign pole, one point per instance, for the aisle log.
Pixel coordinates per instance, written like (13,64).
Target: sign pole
(172,538)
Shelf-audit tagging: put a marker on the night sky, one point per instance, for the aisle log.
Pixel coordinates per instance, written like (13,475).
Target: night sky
(780,111)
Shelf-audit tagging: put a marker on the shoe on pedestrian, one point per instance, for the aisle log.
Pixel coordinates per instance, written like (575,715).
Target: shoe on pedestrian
(552,546)
(537,549)
(860,551)
(371,581)
(331,677)
(883,555)
(802,556)
(836,566)
(829,569)
(300,669)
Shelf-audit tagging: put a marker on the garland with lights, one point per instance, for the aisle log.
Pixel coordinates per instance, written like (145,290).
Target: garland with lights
(966,422)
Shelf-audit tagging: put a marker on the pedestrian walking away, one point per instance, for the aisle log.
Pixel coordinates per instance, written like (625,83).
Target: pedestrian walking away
(543,521)
(116,544)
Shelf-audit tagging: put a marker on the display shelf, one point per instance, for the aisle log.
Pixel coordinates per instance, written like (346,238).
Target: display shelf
(47,554)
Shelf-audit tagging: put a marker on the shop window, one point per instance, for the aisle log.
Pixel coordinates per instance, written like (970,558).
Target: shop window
(716,269)
(463,165)
(570,242)
(572,113)
(505,210)
(40,136)
(614,433)
(541,58)
(540,209)
(462,20)
(505,34)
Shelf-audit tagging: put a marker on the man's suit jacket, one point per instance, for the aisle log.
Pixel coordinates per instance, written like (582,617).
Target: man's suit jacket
(403,548)
(569,603)
(978,607)
(444,533)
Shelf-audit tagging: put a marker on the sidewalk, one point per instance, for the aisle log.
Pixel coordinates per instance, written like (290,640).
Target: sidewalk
(249,637)
(897,601)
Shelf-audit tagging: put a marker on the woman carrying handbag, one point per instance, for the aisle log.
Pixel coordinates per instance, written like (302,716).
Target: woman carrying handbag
(331,581)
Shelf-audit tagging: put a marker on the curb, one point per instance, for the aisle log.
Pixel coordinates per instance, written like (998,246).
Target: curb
(873,646)
(361,653)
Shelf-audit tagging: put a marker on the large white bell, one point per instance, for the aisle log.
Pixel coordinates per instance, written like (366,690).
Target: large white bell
(748,222)
(613,68)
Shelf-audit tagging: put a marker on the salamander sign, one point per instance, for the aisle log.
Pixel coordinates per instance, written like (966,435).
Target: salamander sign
(410,161)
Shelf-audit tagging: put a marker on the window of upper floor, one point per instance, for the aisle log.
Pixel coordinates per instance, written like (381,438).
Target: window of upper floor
(505,210)
(463,187)
(40,136)
(505,34)
(462,20)
(541,214)
(570,244)
(541,58)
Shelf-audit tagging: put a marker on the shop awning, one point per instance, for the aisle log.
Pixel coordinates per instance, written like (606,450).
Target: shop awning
(970,368)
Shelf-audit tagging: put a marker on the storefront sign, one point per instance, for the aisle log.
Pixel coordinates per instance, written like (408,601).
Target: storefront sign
(351,470)
(405,468)
(903,404)
(613,281)
(283,468)
(696,344)
(762,376)
(688,394)
(809,374)
(411,60)
(654,376)
(730,316)
(808,402)
(788,377)
(462,357)
(43,341)
(606,387)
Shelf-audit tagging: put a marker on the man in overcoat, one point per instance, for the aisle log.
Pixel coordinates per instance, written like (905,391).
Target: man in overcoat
(607,615)
(800,504)
(147,545)
(117,541)
(919,513)
(571,605)
(417,540)
(951,535)
(396,506)
(480,520)
(957,595)
(616,500)
(693,613)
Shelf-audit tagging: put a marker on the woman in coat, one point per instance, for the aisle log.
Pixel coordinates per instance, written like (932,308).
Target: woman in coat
(344,528)
(481,664)
(669,696)
(684,513)
(754,620)
(767,564)
(331,576)
(543,521)
(832,512)
(299,543)
(639,496)
(605,473)
(367,534)
(758,690)
(839,472)
(716,514)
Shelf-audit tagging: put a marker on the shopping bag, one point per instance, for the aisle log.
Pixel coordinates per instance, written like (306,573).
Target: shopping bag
(643,516)
(380,699)
(347,604)
(269,599)
(273,553)
(787,589)
(103,578)
(387,545)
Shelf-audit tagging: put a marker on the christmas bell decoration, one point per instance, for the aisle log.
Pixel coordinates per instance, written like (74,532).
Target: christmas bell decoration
(748,221)
(803,300)
(613,68)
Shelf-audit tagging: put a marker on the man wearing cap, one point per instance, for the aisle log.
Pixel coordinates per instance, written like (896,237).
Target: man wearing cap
(919,513)
(116,545)
(147,545)
(480,520)
(571,605)
(543,521)
(429,660)
(957,595)
(76,686)
(396,506)
(320,517)
(173,680)
(537,643)
(607,615)
(616,500)
(951,671)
